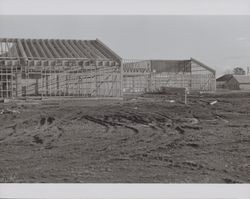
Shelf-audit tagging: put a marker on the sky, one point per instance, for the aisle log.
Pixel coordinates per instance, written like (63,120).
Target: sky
(221,42)
(125,7)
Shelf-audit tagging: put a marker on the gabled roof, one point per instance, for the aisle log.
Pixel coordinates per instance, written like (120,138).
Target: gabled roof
(176,66)
(55,49)
(165,65)
(203,65)
(242,79)
(224,78)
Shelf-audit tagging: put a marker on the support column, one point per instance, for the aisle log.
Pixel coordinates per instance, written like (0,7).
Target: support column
(67,86)
(96,85)
(12,83)
(47,84)
(121,79)
(133,84)
(149,83)
(57,85)
(36,87)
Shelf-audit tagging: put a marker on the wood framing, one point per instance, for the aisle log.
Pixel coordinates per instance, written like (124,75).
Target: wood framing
(58,68)
(151,75)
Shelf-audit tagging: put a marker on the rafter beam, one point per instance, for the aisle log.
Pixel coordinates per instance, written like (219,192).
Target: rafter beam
(53,49)
(89,50)
(27,48)
(22,51)
(97,52)
(41,48)
(13,48)
(77,49)
(114,55)
(87,54)
(64,48)
(58,48)
(47,51)
(70,48)
(203,65)
(34,49)
(8,49)
(100,48)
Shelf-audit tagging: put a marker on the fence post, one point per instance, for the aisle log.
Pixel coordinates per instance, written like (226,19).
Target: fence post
(185,95)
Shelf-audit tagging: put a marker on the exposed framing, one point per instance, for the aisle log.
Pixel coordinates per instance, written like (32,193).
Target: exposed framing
(58,68)
(142,76)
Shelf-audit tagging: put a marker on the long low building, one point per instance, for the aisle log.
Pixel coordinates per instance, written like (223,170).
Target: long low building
(150,75)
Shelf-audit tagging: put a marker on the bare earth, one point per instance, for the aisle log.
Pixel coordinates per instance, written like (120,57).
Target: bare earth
(143,139)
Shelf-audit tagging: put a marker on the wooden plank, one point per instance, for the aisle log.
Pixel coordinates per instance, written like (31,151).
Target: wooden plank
(102,50)
(121,79)
(59,49)
(46,50)
(203,65)
(64,48)
(96,80)
(16,78)
(8,49)
(77,49)
(34,48)
(106,48)
(53,49)
(27,48)
(40,48)
(72,50)
(94,49)
(83,44)
(82,49)
(20,46)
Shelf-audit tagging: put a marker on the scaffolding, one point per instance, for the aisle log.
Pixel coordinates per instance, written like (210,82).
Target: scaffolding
(58,68)
(136,76)
(151,75)
(88,68)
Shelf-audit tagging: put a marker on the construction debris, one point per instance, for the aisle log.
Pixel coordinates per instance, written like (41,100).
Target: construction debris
(8,111)
(213,102)
(171,101)
(4,100)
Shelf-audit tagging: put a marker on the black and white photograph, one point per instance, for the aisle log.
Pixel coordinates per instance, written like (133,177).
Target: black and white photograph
(124,98)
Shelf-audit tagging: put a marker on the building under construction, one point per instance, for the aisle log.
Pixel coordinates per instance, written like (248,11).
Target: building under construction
(152,75)
(88,68)
(62,68)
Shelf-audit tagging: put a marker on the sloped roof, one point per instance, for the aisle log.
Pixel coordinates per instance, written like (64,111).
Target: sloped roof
(171,66)
(203,65)
(224,78)
(164,65)
(56,49)
(178,65)
(242,79)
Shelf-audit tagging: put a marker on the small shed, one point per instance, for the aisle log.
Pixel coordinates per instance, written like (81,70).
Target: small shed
(221,82)
(234,82)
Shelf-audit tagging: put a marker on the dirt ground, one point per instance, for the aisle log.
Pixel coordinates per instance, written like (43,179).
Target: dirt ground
(143,139)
